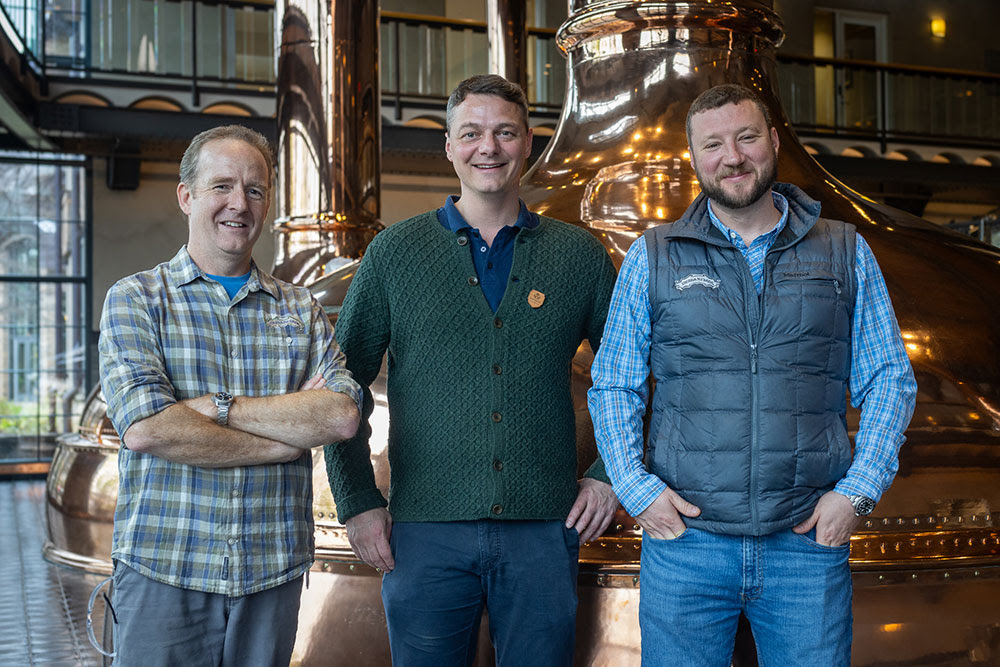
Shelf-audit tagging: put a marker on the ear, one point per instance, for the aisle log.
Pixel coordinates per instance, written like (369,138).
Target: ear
(447,146)
(774,139)
(527,144)
(184,198)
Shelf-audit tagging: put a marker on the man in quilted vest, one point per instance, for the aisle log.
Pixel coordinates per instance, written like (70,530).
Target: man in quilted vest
(480,307)
(755,316)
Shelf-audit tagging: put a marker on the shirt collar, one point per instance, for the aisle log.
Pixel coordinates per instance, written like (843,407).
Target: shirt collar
(780,203)
(452,220)
(183,270)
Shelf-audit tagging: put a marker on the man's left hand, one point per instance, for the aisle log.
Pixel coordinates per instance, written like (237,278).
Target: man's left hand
(833,518)
(593,510)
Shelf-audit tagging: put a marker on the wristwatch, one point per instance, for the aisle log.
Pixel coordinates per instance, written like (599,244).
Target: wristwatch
(222,401)
(863,505)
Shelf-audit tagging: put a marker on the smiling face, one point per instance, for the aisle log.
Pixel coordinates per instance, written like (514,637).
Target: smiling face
(488,143)
(734,154)
(226,206)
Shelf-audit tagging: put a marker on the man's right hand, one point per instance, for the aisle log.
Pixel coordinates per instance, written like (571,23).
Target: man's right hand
(368,534)
(662,519)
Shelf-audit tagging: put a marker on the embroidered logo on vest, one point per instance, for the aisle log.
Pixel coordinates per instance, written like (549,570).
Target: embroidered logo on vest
(696,279)
(286,321)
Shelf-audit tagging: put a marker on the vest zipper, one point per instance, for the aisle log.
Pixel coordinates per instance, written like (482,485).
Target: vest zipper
(753,312)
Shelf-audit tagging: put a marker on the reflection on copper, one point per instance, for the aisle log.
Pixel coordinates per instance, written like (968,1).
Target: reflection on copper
(329,127)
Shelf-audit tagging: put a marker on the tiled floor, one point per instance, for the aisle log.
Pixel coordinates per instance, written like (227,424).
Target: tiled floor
(43,608)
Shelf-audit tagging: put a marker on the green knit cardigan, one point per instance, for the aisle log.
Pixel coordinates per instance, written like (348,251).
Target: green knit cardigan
(482,423)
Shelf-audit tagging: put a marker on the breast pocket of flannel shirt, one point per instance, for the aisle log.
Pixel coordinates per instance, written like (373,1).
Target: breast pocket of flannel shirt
(285,359)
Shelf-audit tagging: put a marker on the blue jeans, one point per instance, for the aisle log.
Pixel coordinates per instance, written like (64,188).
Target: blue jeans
(795,592)
(524,572)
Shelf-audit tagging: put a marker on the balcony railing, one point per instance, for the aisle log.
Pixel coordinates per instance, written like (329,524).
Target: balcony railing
(229,44)
(166,43)
(423,58)
(890,103)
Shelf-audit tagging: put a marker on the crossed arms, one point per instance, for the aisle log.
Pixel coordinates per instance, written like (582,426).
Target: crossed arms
(264,429)
(138,350)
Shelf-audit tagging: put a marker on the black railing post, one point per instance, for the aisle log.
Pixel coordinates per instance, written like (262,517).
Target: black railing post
(195,96)
(397,71)
(884,109)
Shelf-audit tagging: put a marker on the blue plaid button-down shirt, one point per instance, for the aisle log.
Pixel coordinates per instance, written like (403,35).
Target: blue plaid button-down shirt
(170,334)
(881,377)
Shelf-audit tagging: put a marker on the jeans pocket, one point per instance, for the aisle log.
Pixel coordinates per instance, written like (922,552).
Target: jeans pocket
(810,539)
(666,540)
(572,538)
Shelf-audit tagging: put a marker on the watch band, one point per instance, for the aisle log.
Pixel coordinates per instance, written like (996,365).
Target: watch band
(223,400)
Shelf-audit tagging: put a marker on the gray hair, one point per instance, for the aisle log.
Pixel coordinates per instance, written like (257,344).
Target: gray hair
(487,84)
(189,163)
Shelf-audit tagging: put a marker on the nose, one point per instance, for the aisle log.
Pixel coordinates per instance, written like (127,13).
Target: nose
(732,155)
(237,200)
(488,144)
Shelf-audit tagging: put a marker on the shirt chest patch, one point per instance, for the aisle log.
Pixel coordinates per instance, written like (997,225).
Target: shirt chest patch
(283,322)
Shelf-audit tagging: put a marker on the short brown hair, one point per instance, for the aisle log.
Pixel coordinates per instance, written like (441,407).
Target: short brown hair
(189,163)
(720,96)
(487,84)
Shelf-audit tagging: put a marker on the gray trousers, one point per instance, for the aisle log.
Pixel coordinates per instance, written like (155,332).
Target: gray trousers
(159,624)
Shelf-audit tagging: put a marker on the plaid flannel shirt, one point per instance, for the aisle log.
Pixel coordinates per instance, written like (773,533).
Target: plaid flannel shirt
(172,333)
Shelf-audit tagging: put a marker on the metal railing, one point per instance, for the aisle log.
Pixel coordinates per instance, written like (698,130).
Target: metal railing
(890,103)
(171,44)
(423,58)
(229,44)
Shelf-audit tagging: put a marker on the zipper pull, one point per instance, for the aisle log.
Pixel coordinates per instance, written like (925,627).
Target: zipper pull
(836,286)
(753,357)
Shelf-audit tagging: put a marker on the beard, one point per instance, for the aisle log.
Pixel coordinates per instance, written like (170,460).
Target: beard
(714,191)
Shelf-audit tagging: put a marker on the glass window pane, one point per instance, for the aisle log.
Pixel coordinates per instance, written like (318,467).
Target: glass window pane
(18,249)
(43,324)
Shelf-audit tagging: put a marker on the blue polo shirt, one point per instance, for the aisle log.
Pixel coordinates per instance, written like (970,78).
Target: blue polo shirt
(492,262)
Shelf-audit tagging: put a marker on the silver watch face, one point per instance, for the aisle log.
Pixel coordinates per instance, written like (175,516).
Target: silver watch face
(863,505)
(222,398)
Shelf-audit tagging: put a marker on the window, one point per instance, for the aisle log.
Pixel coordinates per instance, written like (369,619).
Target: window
(44,297)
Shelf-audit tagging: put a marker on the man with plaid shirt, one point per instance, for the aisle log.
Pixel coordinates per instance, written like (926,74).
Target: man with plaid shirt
(220,379)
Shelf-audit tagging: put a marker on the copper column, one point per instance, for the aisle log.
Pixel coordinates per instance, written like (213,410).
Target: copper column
(329,143)
(506,31)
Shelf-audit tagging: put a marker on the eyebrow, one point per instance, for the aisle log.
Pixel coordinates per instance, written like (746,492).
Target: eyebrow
(476,126)
(745,128)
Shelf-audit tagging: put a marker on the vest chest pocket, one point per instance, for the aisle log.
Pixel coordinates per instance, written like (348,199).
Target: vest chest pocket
(819,284)
(818,299)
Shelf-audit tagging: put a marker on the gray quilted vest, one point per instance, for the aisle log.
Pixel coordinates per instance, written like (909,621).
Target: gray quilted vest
(748,412)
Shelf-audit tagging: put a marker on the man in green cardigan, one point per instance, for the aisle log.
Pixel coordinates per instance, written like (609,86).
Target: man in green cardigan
(481,306)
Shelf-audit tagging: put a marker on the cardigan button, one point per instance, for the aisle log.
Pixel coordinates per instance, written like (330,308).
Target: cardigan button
(496,417)
(497,370)
(463,239)
(473,281)
(497,509)
(497,323)
(498,465)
